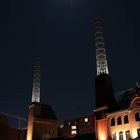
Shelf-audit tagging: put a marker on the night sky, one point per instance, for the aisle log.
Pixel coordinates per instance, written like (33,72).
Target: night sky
(61,32)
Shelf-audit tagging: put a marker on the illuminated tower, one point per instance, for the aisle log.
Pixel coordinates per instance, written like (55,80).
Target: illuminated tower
(105,101)
(103,81)
(35,99)
(101,60)
(36,82)
(42,121)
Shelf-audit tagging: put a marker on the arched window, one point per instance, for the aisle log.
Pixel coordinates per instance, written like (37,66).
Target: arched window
(114,136)
(120,135)
(138,131)
(126,119)
(137,117)
(127,134)
(119,121)
(113,122)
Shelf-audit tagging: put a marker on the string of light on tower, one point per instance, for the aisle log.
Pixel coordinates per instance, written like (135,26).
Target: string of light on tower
(36,81)
(101,60)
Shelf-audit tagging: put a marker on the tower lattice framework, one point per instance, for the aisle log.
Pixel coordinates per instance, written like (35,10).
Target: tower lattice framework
(36,81)
(101,60)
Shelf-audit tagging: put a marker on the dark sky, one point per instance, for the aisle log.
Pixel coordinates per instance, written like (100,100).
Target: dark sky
(61,32)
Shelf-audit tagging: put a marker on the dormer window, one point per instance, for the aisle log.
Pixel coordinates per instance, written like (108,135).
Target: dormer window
(137,116)
(138,103)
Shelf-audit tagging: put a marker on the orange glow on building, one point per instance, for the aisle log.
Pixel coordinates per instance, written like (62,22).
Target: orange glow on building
(101,129)
(30,122)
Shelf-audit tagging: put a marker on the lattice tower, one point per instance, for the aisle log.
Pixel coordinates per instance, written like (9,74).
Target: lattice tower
(36,81)
(101,60)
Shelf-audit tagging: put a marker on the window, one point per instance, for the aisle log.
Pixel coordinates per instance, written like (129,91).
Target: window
(119,121)
(61,126)
(138,103)
(127,134)
(73,127)
(86,119)
(114,136)
(126,119)
(120,135)
(137,117)
(113,122)
(138,131)
(52,131)
(73,132)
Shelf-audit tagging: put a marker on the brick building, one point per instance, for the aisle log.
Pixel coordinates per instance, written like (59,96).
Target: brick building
(78,126)
(113,120)
(125,123)
(42,122)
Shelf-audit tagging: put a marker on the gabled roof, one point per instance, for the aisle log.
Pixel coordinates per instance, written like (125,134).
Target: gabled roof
(125,97)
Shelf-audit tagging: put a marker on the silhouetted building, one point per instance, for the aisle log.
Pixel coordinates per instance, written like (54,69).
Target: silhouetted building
(9,133)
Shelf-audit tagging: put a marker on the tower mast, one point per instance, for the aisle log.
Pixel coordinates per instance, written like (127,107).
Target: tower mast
(36,81)
(101,60)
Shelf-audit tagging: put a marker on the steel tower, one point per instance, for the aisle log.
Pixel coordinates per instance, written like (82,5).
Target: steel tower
(101,60)
(36,81)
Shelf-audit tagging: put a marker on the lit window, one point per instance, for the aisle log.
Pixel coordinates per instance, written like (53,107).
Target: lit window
(127,133)
(114,136)
(73,132)
(68,123)
(73,127)
(121,135)
(86,119)
(61,126)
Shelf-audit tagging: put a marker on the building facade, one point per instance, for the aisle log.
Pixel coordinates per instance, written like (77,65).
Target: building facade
(78,126)
(110,120)
(42,122)
(125,124)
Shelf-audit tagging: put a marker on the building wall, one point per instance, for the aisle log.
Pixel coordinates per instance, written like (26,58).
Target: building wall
(124,128)
(115,129)
(79,126)
(39,127)
(30,122)
(86,125)
(7,133)
(45,129)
